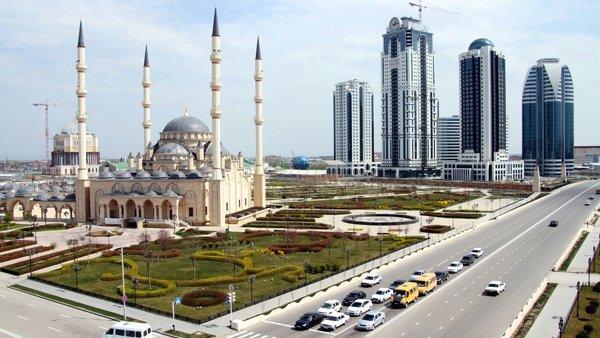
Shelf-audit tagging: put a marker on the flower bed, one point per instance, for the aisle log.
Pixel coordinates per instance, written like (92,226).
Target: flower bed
(14,244)
(446,214)
(140,252)
(22,253)
(204,298)
(435,229)
(284,224)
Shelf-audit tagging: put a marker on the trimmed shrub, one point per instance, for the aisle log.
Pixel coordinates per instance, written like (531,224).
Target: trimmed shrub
(597,287)
(582,334)
(588,328)
(203,298)
(435,229)
(594,302)
(166,288)
(590,309)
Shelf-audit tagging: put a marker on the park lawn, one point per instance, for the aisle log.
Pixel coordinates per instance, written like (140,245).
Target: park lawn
(181,268)
(574,324)
(423,202)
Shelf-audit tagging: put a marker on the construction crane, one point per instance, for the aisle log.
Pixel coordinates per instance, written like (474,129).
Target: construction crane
(46,105)
(421,7)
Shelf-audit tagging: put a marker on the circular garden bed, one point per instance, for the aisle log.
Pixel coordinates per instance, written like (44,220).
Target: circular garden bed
(380,219)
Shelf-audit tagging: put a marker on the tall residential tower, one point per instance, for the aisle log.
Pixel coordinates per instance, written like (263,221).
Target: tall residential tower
(409,105)
(548,107)
(353,127)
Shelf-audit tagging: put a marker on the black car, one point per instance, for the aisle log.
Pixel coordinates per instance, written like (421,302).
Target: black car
(442,276)
(309,320)
(352,296)
(553,223)
(396,283)
(467,260)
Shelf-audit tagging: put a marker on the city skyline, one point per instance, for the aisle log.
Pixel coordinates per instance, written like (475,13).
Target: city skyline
(302,63)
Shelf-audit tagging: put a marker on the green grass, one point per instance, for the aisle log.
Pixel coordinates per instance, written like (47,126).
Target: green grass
(565,265)
(181,268)
(71,303)
(574,324)
(535,311)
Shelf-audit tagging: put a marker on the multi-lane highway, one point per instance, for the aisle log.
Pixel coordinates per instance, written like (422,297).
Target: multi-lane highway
(519,249)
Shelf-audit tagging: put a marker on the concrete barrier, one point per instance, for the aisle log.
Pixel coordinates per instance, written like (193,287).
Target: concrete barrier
(512,328)
(565,253)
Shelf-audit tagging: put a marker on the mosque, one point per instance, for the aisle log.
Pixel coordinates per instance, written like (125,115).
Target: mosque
(186,176)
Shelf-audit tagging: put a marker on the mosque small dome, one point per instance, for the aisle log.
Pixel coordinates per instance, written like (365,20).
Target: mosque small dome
(176,175)
(477,44)
(172,149)
(43,196)
(70,128)
(195,175)
(123,175)
(25,191)
(159,174)
(57,197)
(205,170)
(106,174)
(186,124)
(142,174)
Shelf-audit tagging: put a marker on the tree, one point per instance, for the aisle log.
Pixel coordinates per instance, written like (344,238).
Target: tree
(164,239)
(7,219)
(145,242)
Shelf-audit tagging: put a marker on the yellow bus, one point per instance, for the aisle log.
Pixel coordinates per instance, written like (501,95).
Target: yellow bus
(426,282)
(405,294)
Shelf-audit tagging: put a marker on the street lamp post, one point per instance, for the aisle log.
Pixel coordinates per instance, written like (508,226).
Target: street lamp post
(251,280)
(134,282)
(589,269)
(306,261)
(578,290)
(347,251)
(76,269)
(30,252)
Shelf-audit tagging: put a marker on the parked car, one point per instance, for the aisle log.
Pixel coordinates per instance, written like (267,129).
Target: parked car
(495,287)
(371,320)
(553,223)
(396,283)
(330,307)
(442,276)
(467,260)
(352,296)
(370,280)
(587,203)
(455,267)
(358,307)
(334,320)
(381,295)
(415,275)
(477,252)
(309,320)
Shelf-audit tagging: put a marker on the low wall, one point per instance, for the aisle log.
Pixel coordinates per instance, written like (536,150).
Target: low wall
(512,328)
(565,253)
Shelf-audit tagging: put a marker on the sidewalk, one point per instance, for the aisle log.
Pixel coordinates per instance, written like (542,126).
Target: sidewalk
(579,264)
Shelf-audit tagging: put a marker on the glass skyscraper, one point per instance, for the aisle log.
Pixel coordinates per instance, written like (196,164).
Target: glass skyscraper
(548,106)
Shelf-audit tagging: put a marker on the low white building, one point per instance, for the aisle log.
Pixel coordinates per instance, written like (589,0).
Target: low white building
(336,167)
(469,167)
(65,156)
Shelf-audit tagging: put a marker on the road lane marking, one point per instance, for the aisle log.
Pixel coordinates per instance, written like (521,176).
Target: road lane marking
(417,323)
(451,318)
(2,296)
(30,304)
(232,336)
(440,328)
(53,329)
(256,335)
(446,301)
(403,333)
(22,317)
(63,315)
(10,334)
(276,323)
(429,314)
(462,309)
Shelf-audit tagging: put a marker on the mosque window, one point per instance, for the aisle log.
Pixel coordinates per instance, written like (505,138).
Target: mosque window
(190,212)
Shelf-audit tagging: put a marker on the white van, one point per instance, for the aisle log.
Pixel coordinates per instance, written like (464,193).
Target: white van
(128,329)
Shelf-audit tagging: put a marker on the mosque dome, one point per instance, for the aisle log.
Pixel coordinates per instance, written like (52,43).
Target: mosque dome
(43,196)
(477,44)
(123,174)
(142,174)
(205,170)
(186,124)
(57,197)
(195,175)
(172,149)
(106,174)
(210,150)
(159,174)
(176,175)
(25,191)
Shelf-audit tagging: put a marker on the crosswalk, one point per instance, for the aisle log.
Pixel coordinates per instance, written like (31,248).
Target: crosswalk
(249,334)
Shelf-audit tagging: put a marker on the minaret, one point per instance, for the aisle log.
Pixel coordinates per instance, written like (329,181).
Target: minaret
(146,102)
(81,92)
(259,174)
(215,86)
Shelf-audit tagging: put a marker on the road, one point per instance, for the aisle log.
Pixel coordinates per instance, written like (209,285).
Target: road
(24,315)
(519,249)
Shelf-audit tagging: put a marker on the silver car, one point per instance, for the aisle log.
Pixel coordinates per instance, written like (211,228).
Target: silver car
(371,320)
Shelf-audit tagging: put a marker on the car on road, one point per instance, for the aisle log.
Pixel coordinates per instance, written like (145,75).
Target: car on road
(591,197)
(455,267)
(467,260)
(476,252)
(370,280)
(334,320)
(381,295)
(416,274)
(405,294)
(427,283)
(587,203)
(330,307)
(358,307)
(396,283)
(129,329)
(309,320)
(553,223)
(352,296)
(495,287)
(371,320)
(442,276)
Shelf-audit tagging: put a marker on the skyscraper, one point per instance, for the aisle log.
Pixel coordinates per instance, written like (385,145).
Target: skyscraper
(548,107)
(448,138)
(484,155)
(353,127)
(409,105)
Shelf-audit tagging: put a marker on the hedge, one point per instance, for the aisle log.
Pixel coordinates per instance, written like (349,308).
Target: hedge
(141,252)
(283,224)
(446,214)
(22,253)
(203,298)
(435,229)
(14,244)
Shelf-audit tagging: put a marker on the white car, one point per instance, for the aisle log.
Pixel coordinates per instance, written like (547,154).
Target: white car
(334,320)
(371,320)
(416,274)
(381,295)
(370,280)
(476,252)
(587,203)
(495,287)
(358,307)
(455,267)
(330,306)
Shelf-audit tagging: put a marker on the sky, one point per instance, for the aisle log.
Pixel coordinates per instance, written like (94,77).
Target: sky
(307,47)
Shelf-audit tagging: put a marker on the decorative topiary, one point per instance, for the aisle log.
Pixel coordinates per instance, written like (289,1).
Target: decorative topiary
(588,328)
(590,309)
(204,298)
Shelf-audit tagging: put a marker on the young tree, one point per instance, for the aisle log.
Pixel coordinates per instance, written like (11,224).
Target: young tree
(145,242)
(7,219)
(164,239)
